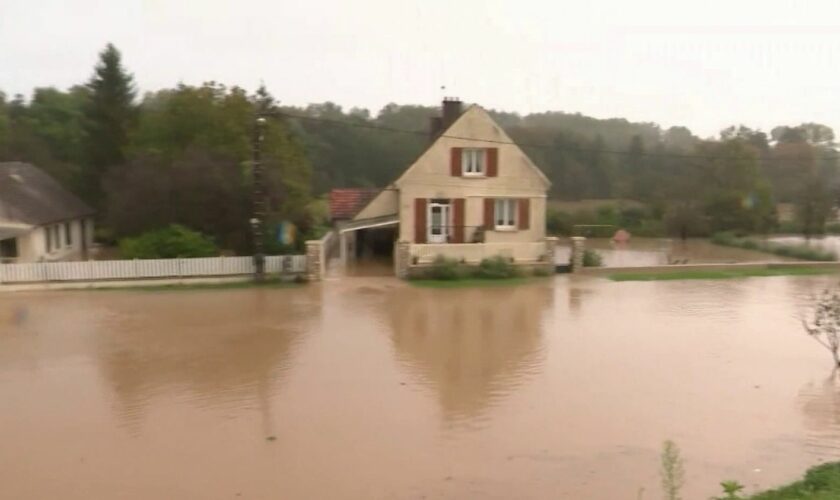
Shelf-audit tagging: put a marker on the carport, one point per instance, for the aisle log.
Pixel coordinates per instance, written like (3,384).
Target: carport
(368,237)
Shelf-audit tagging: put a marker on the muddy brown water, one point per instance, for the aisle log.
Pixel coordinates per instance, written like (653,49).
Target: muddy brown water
(373,389)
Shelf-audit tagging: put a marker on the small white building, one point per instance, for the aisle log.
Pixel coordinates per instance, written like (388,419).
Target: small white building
(39,219)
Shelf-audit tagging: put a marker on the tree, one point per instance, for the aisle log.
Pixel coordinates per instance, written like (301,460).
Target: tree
(190,164)
(823,323)
(737,197)
(635,167)
(109,115)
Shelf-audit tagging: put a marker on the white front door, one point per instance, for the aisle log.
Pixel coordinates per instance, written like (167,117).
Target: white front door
(438,222)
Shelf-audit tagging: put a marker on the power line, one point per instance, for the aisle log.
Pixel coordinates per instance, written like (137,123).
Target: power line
(552,147)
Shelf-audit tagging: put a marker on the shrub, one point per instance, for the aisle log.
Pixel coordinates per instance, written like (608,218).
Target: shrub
(672,472)
(542,272)
(447,269)
(171,242)
(591,258)
(557,222)
(497,267)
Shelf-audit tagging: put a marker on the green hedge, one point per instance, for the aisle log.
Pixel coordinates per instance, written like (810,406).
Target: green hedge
(174,241)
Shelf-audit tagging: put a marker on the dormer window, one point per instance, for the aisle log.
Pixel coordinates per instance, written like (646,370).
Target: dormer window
(474,161)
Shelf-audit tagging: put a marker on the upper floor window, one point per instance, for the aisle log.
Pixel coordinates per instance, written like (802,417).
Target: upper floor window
(505,213)
(474,161)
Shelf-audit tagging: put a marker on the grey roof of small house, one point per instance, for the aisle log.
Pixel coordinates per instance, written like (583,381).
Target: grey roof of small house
(29,196)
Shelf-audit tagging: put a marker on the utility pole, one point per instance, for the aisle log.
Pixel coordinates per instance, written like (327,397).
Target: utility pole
(259,201)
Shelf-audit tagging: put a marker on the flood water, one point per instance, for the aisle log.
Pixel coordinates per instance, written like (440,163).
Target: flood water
(368,388)
(639,252)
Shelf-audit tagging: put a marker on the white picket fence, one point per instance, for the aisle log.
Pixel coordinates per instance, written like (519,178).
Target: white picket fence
(96,270)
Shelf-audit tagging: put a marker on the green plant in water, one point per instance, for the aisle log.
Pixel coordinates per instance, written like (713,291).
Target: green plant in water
(445,269)
(672,471)
(591,258)
(731,489)
(497,267)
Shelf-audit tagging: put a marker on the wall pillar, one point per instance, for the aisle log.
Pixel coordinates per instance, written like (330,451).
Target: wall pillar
(314,266)
(402,259)
(343,250)
(550,251)
(578,248)
(668,250)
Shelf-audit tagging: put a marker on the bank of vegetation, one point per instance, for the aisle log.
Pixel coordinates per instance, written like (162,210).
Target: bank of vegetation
(820,483)
(181,155)
(446,272)
(720,274)
(798,251)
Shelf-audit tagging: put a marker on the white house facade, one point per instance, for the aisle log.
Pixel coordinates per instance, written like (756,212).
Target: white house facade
(39,219)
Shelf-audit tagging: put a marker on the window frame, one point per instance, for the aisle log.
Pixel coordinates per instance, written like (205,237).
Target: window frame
(505,210)
(468,154)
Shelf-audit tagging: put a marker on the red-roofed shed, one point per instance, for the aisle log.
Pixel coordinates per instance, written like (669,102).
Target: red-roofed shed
(345,203)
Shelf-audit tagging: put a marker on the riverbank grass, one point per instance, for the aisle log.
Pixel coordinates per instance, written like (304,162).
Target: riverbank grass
(699,274)
(820,483)
(474,282)
(796,251)
(270,282)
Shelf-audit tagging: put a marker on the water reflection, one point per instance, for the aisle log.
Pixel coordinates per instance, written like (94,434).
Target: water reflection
(820,403)
(230,354)
(473,346)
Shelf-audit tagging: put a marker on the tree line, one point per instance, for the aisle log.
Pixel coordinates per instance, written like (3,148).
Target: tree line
(182,155)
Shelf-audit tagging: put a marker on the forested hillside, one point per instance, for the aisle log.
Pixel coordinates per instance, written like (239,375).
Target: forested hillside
(181,155)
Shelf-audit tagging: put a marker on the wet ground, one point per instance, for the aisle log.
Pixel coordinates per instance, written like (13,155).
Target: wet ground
(656,252)
(367,388)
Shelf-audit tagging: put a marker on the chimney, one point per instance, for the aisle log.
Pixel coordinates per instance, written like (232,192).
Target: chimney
(435,127)
(451,111)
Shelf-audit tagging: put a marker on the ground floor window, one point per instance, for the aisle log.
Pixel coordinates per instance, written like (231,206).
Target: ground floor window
(8,249)
(68,234)
(505,214)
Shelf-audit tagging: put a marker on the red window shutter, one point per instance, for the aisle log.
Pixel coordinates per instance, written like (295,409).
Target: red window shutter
(419,220)
(455,162)
(492,162)
(489,213)
(524,221)
(458,216)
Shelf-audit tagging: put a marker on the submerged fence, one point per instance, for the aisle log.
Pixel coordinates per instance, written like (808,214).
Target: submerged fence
(96,270)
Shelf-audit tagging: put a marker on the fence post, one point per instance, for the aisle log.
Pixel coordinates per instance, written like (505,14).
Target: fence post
(550,249)
(313,260)
(402,259)
(578,248)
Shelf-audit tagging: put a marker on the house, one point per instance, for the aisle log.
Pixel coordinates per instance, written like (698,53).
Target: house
(39,219)
(472,194)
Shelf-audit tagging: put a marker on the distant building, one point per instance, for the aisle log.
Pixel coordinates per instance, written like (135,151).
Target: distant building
(39,219)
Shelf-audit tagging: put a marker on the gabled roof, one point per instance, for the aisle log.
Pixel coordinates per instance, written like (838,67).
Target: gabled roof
(500,138)
(345,203)
(29,196)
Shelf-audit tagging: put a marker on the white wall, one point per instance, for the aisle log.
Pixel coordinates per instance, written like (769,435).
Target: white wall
(32,246)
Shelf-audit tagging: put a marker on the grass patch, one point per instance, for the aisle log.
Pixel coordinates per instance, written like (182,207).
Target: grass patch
(232,285)
(700,274)
(473,282)
(820,483)
(797,251)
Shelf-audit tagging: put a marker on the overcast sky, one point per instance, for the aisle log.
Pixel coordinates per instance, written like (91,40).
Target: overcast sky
(703,64)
